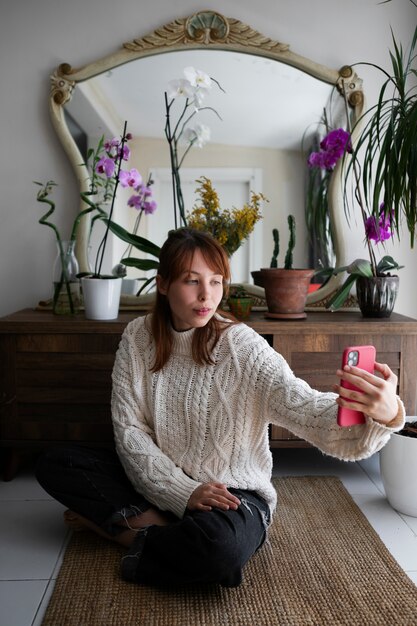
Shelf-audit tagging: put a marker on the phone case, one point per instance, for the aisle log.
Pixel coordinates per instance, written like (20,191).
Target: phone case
(363,357)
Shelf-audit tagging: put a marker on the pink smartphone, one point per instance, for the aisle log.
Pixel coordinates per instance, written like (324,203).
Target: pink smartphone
(363,357)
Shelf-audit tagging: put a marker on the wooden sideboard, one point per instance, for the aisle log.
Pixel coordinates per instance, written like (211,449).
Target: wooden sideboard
(55,374)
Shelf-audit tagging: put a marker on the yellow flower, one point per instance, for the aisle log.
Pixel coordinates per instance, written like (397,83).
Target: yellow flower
(229,226)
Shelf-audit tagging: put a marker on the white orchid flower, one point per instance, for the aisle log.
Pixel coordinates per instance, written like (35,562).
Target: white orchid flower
(180,87)
(189,135)
(197,78)
(198,98)
(203,134)
(198,136)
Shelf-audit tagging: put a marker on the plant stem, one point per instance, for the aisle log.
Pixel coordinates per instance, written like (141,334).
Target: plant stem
(172,158)
(135,230)
(175,167)
(102,247)
(64,278)
(358,191)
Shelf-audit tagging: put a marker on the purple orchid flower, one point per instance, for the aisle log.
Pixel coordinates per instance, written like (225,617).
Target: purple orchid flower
(379,231)
(332,147)
(105,166)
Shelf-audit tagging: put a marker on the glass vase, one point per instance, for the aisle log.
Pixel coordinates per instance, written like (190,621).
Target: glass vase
(66,285)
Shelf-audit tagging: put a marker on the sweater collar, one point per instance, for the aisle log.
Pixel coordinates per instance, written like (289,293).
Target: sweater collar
(182,340)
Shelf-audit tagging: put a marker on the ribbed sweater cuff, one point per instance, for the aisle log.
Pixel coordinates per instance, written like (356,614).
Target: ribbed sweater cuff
(176,499)
(380,431)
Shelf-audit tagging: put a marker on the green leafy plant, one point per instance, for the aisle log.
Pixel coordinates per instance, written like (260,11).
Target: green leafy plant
(43,196)
(142,245)
(337,144)
(104,164)
(237,292)
(385,152)
(383,166)
(359,267)
(240,302)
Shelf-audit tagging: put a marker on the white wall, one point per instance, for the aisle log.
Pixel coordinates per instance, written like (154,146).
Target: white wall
(35,37)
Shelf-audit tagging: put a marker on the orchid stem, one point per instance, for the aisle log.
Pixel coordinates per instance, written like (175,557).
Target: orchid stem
(358,190)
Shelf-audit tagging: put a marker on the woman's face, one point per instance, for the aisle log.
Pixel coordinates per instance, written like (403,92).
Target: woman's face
(194,296)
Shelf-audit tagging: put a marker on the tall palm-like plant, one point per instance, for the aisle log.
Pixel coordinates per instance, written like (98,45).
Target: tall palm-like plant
(385,152)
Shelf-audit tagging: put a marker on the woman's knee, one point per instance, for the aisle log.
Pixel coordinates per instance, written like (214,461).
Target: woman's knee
(53,463)
(46,464)
(217,548)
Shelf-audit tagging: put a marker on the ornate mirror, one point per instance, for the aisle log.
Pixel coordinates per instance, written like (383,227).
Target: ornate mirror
(245,58)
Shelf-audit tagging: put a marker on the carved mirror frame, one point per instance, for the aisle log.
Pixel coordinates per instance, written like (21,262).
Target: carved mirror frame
(208,30)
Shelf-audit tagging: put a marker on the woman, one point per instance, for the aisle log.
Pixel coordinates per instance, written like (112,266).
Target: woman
(189,491)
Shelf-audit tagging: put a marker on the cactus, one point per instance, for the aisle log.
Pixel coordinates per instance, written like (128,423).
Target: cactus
(291,243)
(274,260)
(288,263)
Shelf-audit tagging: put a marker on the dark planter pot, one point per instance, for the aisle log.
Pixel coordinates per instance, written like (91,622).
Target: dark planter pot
(286,292)
(377,295)
(257,278)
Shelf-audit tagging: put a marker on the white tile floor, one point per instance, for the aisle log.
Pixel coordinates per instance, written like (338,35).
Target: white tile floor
(33,537)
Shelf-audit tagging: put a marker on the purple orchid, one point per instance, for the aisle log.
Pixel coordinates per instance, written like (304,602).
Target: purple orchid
(132,178)
(332,147)
(379,231)
(106,166)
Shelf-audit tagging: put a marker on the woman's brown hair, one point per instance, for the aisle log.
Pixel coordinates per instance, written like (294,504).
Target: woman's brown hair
(175,258)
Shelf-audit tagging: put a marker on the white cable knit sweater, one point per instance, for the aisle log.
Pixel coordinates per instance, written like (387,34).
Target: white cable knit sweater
(189,424)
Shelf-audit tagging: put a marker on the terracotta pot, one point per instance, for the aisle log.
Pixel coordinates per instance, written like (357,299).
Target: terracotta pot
(240,307)
(377,295)
(286,292)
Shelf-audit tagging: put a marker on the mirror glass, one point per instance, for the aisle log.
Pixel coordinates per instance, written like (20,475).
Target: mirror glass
(267,115)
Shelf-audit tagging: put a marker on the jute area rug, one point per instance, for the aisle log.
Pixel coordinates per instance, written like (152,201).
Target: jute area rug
(323,565)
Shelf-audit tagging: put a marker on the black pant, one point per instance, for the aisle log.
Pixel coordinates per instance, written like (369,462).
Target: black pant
(202,547)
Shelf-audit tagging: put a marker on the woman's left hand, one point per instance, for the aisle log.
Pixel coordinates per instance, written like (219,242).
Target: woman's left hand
(377,397)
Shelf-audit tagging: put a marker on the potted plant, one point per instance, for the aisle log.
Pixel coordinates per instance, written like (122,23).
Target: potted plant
(240,303)
(101,291)
(286,288)
(375,286)
(66,284)
(398,464)
(382,165)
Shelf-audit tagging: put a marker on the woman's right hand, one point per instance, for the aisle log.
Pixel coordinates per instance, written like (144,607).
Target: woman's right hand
(212,495)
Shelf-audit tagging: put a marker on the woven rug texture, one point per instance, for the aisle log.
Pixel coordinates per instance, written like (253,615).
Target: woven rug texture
(323,565)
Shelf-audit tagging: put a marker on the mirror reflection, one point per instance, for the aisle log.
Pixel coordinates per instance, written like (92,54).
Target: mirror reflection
(272,103)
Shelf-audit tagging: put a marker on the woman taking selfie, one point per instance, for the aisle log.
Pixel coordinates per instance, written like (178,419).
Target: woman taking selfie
(188,491)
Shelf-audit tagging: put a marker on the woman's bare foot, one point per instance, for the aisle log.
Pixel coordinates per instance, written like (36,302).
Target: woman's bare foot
(150,517)
(77,523)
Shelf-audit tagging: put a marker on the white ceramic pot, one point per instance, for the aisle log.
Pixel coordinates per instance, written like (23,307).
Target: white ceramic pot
(101,297)
(398,464)
(130,286)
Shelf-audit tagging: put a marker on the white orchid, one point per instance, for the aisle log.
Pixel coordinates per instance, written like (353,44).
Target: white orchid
(197,78)
(194,88)
(203,135)
(180,87)
(197,136)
